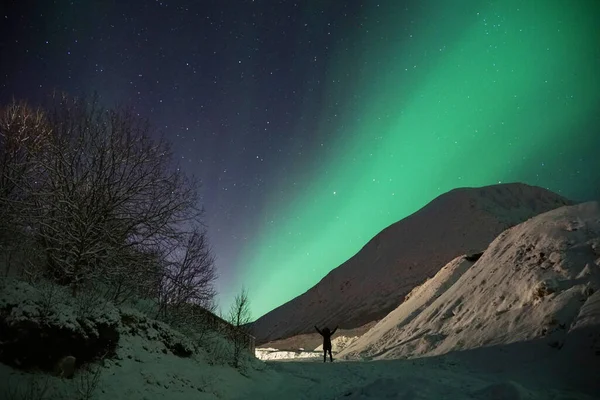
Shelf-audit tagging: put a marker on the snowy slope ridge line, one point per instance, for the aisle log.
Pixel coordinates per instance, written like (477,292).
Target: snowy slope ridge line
(375,280)
(538,281)
(416,301)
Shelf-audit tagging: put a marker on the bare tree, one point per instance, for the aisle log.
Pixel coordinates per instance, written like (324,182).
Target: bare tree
(109,189)
(106,203)
(136,273)
(239,316)
(24,133)
(188,279)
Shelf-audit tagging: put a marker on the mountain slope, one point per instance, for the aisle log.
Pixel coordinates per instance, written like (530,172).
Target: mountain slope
(374,281)
(537,282)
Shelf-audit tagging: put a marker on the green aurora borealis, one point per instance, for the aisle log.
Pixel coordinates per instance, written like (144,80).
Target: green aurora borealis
(463,95)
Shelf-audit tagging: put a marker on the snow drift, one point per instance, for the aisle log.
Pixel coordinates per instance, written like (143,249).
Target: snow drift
(276,354)
(537,281)
(374,281)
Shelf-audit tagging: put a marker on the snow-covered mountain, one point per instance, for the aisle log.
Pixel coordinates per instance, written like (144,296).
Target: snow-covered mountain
(375,280)
(537,282)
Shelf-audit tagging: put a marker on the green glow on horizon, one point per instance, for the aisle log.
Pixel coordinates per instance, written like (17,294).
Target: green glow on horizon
(502,97)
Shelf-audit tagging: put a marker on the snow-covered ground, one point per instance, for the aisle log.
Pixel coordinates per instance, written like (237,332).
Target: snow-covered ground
(140,371)
(490,374)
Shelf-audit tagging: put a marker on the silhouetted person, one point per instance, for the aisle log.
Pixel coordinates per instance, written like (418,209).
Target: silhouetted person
(326,342)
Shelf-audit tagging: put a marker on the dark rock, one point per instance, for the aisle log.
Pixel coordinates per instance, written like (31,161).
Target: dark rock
(65,367)
(473,257)
(31,343)
(37,336)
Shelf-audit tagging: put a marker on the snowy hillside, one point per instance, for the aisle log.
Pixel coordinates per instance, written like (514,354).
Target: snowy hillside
(374,281)
(42,327)
(537,282)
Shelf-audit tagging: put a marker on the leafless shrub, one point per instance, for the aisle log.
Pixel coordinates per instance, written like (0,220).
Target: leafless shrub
(193,321)
(21,256)
(186,288)
(218,349)
(136,274)
(239,317)
(90,299)
(51,295)
(87,382)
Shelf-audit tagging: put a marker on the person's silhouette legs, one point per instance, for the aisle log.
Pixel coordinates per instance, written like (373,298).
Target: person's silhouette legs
(330,356)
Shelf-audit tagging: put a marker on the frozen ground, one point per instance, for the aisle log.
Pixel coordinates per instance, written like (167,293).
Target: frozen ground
(499,373)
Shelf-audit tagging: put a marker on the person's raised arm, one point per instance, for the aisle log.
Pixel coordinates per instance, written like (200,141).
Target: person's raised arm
(321,333)
(332,332)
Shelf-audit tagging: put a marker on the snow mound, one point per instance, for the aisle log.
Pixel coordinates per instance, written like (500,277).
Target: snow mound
(41,325)
(275,354)
(116,353)
(536,281)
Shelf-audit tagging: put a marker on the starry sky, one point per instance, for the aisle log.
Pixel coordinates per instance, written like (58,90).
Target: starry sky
(315,124)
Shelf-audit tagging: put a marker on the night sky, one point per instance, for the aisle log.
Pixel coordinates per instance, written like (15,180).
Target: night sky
(315,124)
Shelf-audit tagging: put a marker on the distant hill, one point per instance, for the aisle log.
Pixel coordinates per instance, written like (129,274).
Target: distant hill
(375,280)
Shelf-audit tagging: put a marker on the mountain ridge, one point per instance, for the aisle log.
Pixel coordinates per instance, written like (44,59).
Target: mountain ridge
(399,257)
